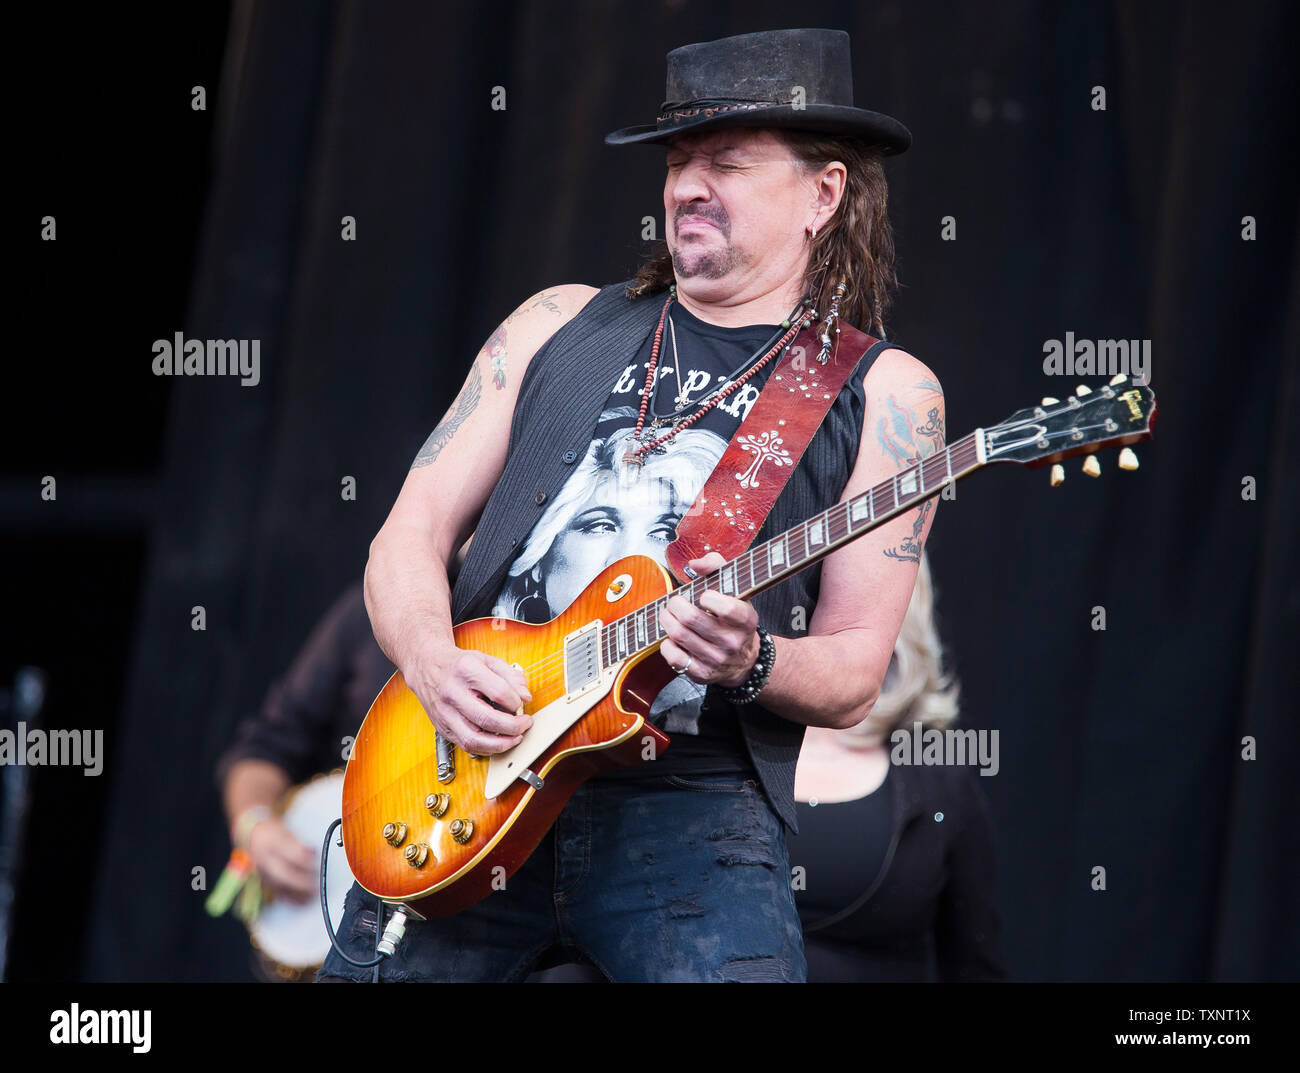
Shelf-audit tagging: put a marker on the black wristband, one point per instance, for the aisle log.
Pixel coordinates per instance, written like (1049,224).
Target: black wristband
(748,690)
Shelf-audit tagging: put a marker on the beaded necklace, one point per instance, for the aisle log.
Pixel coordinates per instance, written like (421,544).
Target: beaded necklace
(645,437)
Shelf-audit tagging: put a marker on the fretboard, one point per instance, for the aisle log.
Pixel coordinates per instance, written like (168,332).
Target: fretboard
(773,561)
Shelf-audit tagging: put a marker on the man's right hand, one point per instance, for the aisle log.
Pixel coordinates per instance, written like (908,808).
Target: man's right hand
(472,697)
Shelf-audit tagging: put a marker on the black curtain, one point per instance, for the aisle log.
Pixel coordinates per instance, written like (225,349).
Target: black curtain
(1120,748)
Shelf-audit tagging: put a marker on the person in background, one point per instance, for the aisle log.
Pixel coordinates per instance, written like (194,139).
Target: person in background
(303,728)
(886,889)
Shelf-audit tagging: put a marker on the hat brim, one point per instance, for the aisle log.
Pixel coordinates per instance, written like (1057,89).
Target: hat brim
(872,127)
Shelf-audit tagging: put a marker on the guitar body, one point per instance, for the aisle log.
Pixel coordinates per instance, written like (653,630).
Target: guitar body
(393,767)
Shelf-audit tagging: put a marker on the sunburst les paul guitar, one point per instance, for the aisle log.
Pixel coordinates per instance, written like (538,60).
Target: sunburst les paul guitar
(429,826)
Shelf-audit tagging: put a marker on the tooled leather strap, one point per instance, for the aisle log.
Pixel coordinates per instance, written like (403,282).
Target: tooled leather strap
(740,493)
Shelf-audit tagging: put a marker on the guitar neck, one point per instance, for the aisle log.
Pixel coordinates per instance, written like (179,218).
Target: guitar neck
(796,549)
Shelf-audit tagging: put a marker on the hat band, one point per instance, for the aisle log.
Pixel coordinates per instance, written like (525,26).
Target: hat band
(674,112)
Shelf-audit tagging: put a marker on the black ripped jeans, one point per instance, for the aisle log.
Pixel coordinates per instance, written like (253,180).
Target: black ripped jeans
(666,878)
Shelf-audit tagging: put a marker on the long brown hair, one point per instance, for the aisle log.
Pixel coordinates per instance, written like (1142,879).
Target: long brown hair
(856,245)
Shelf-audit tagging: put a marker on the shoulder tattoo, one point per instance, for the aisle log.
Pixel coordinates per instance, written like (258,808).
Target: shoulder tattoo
(907,438)
(495,348)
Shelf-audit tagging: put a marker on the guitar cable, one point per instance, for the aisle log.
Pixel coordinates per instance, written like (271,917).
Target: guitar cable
(392,934)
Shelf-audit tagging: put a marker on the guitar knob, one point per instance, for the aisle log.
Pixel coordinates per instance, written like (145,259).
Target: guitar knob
(462,830)
(1127,459)
(438,804)
(395,833)
(416,854)
(1058,475)
(1091,466)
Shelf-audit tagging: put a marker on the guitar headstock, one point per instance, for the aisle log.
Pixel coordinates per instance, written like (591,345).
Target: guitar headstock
(1117,415)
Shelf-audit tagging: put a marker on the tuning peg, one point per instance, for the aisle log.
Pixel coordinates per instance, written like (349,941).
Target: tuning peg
(1058,475)
(1048,400)
(1127,459)
(1082,390)
(1091,466)
(1118,378)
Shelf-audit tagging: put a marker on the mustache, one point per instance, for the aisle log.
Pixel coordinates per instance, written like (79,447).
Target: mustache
(715,216)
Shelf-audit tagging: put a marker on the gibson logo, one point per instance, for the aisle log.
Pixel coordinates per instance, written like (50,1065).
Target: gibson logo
(1132,397)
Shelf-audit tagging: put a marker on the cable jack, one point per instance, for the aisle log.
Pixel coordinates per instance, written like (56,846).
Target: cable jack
(393,933)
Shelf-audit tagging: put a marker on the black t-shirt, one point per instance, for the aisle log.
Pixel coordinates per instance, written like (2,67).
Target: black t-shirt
(608,509)
(840,846)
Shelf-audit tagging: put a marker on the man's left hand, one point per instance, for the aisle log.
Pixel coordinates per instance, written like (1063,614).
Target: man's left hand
(716,640)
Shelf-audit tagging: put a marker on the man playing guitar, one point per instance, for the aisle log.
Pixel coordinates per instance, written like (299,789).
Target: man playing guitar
(676,870)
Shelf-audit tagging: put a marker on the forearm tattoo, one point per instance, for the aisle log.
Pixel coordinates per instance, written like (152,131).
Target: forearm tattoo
(907,441)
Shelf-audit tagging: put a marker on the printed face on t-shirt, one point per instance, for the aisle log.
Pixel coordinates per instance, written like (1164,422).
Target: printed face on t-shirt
(617,519)
(606,511)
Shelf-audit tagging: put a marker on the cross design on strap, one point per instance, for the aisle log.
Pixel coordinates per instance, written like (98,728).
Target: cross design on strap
(765,447)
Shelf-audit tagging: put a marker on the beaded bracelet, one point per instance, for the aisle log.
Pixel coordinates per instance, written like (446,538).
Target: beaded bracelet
(748,690)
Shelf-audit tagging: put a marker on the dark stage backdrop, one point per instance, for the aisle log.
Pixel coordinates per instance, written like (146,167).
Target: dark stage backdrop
(1120,748)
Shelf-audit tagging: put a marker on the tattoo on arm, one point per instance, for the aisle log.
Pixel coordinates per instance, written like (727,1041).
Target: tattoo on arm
(466,402)
(909,551)
(496,350)
(495,347)
(908,442)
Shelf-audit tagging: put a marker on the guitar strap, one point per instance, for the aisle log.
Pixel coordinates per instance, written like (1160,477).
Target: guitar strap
(738,496)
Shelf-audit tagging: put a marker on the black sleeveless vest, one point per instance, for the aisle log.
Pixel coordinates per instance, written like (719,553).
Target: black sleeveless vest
(559,404)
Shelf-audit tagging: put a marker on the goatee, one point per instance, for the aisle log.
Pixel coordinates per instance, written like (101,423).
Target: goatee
(711,264)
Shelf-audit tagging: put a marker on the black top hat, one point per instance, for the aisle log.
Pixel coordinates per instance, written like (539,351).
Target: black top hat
(800,79)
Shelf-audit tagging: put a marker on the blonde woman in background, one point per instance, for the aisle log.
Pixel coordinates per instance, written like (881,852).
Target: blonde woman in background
(893,864)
